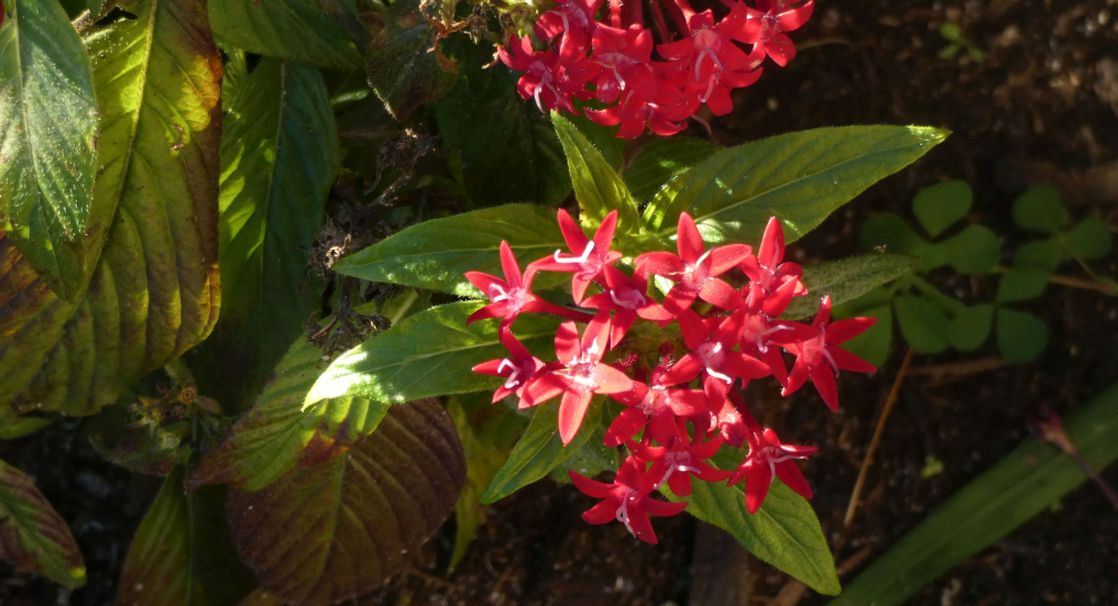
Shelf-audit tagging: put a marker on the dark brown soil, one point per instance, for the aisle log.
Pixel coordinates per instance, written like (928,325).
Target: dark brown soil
(1043,105)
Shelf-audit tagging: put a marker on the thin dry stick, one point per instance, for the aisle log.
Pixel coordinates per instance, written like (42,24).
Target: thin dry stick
(1074,282)
(894,393)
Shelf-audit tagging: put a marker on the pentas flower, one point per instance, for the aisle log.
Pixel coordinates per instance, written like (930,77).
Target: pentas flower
(766,26)
(579,375)
(512,295)
(588,257)
(818,355)
(517,369)
(680,376)
(769,457)
(695,270)
(654,76)
(627,499)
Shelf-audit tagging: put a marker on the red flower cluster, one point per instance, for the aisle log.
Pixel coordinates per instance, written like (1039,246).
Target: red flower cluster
(682,402)
(609,63)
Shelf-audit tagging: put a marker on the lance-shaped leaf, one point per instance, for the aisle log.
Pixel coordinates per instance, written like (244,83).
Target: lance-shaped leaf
(337,530)
(1027,482)
(154,288)
(540,450)
(182,554)
(436,254)
(278,434)
(785,532)
(279,157)
(33,537)
(47,129)
(847,279)
(800,177)
(661,160)
(598,188)
(301,30)
(428,354)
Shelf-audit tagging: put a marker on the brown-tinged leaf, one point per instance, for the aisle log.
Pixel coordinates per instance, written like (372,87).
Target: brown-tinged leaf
(181,555)
(153,293)
(338,530)
(278,434)
(33,537)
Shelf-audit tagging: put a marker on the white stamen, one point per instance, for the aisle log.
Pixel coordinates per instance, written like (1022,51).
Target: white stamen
(727,379)
(575,260)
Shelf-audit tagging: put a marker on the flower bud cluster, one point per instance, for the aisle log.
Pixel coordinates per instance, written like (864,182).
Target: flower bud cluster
(677,366)
(583,52)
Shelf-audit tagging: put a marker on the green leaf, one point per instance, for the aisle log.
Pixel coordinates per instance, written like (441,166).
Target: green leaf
(182,555)
(400,70)
(888,232)
(516,156)
(800,177)
(1027,482)
(301,30)
(785,532)
(846,280)
(153,293)
(942,205)
(1021,336)
(662,160)
(278,434)
(279,158)
(33,537)
(1041,209)
(19,427)
(1044,255)
(428,354)
(1021,285)
(436,254)
(923,324)
(1089,239)
(598,187)
(48,127)
(875,344)
(975,250)
(971,326)
(338,530)
(540,450)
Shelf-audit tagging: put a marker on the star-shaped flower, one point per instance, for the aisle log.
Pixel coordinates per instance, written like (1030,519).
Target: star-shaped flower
(511,296)
(627,499)
(593,254)
(769,457)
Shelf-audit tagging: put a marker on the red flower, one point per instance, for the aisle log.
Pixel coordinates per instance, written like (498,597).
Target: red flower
(552,79)
(627,499)
(517,369)
(712,342)
(766,25)
(693,270)
(625,297)
(768,457)
(511,296)
(710,63)
(579,375)
(772,282)
(574,21)
(818,356)
(654,406)
(594,253)
(681,459)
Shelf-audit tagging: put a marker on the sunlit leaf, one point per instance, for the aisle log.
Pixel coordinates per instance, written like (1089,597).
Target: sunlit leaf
(33,537)
(428,354)
(279,157)
(661,160)
(278,434)
(154,290)
(800,177)
(598,187)
(48,126)
(301,30)
(847,279)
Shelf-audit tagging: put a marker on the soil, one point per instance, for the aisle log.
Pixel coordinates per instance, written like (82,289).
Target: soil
(1041,106)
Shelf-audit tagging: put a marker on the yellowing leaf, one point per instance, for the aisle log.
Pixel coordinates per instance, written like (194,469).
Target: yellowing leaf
(33,537)
(153,292)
